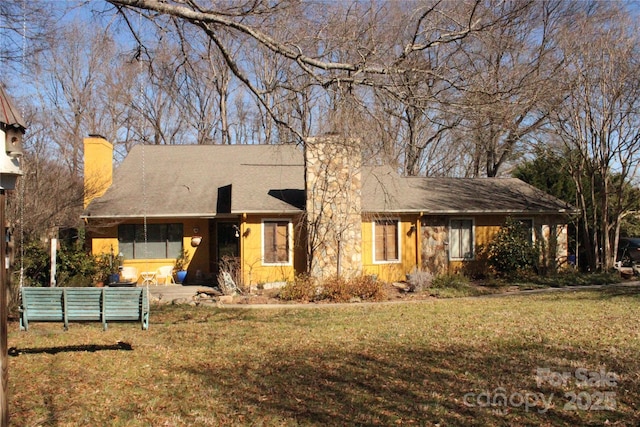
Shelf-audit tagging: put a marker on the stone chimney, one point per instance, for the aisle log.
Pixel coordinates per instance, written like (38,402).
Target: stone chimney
(98,167)
(333,186)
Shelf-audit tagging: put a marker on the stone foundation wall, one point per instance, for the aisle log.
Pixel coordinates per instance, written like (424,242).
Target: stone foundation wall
(334,216)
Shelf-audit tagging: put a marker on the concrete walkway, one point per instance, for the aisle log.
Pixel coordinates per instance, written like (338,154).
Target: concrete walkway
(175,293)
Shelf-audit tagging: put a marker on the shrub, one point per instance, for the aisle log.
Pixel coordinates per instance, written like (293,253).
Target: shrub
(455,281)
(419,281)
(37,267)
(230,276)
(335,289)
(451,286)
(367,288)
(74,266)
(74,280)
(302,288)
(511,251)
(338,289)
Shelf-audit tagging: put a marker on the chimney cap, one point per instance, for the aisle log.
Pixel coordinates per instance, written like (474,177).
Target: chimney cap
(96,135)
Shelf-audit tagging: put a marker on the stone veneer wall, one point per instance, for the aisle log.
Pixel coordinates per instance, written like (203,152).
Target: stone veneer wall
(434,249)
(334,217)
(554,242)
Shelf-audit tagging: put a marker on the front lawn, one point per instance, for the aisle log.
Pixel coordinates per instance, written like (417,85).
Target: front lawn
(563,358)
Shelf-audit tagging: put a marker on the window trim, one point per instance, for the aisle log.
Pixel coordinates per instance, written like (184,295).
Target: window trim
(398,240)
(473,239)
(289,242)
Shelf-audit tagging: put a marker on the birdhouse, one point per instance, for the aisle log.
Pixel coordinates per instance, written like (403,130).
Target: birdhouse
(12,129)
(13,143)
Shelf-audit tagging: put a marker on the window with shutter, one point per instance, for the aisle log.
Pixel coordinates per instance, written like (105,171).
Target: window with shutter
(276,242)
(386,240)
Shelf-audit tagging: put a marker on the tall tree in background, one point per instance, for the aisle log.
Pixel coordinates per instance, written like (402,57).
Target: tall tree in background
(25,29)
(80,85)
(338,46)
(599,122)
(508,74)
(72,76)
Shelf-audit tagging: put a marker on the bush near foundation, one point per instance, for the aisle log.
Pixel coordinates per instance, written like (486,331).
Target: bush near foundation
(367,288)
(362,288)
(302,288)
(511,251)
(335,289)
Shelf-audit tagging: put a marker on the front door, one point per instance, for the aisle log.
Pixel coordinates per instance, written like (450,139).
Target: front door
(227,251)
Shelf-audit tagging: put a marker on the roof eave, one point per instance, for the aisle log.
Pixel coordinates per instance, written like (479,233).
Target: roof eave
(114,216)
(368,212)
(475,211)
(195,215)
(269,212)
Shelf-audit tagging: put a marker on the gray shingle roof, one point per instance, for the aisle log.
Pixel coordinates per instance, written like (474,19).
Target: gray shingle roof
(209,180)
(195,180)
(385,191)
(9,114)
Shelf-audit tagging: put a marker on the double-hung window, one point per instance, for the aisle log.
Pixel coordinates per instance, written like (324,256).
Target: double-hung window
(461,239)
(162,241)
(386,245)
(276,242)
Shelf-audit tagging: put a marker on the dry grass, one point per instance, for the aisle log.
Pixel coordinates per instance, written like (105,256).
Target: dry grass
(377,364)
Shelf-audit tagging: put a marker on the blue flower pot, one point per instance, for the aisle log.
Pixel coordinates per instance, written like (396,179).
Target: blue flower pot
(181,275)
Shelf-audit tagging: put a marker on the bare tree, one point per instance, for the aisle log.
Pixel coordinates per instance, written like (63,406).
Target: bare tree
(599,122)
(25,30)
(510,72)
(344,45)
(48,196)
(74,81)
(201,87)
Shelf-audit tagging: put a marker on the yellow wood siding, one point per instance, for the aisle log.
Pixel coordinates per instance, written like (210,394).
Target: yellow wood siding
(254,268)
(408,259)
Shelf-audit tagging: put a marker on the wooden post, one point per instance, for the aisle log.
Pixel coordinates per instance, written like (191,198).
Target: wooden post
(54,257)
(4,355)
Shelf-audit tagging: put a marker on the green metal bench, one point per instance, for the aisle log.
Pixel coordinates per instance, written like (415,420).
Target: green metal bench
(84,305)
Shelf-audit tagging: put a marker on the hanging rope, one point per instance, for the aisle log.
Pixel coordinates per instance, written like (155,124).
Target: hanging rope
(144,177)
(144,215)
